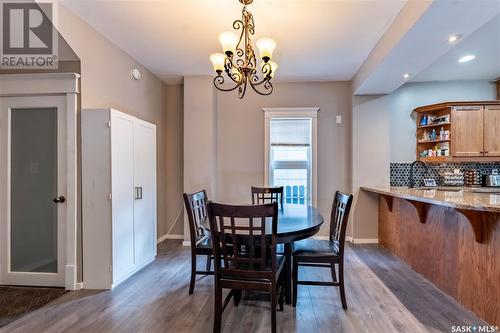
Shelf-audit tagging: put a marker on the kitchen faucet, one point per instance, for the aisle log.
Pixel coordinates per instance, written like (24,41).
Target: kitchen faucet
(412,167)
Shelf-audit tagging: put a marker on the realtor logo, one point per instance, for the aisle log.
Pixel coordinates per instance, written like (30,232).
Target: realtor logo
(29,36)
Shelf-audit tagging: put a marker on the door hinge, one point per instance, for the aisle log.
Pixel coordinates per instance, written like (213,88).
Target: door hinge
(110,196)
(109,124)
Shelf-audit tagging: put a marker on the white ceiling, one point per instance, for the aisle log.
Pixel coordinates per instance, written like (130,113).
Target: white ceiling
(317,39)
(484,43)
(427,42)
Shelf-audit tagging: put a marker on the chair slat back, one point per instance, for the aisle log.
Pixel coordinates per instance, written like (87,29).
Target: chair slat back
(339,218)
(196,208)
(263,195)
(239,238)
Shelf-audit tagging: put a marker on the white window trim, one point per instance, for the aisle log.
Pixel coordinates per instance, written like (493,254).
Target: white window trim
(304,113)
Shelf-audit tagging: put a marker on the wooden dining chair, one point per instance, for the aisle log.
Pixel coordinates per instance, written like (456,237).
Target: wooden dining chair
(263,195)
(241,262)
(201,243)
(325,253)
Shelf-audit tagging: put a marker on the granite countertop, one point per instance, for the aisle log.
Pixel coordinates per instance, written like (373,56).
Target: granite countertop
(463,199)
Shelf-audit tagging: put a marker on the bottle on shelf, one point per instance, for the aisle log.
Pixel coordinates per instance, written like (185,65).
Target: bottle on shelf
(433,134)
(423,121)
(441,134)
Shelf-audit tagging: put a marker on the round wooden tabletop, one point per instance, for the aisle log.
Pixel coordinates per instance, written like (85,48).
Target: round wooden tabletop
(296,222)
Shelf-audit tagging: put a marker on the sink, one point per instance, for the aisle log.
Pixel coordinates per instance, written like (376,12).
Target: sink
(492,190)
(440,188)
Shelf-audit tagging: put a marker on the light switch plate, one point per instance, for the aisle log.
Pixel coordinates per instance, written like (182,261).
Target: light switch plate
(339,119)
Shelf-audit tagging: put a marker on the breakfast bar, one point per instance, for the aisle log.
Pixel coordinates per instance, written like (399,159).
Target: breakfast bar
(450,236)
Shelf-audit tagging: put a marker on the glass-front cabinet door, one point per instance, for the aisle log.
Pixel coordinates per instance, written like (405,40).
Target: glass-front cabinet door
(33,190)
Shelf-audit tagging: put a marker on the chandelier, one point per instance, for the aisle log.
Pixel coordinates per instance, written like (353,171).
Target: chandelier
(239,62)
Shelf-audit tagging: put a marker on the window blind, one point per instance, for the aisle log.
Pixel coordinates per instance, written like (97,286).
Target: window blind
(290,132)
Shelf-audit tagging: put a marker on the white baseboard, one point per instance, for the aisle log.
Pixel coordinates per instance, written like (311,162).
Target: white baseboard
(365,241)
(321,237)
(352,240)
(162,238)
(70,277)
(347,238)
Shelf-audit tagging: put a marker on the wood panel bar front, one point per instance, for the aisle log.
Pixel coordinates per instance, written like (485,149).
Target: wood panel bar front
(445,251)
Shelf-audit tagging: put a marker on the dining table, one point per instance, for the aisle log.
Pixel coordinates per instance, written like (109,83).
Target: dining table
(295,222)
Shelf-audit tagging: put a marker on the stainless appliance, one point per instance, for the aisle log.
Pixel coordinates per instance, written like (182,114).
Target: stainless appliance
(491,180)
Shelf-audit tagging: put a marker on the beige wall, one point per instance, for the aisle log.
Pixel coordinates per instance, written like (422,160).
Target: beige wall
(174,105)
(370,160)
(200,132)
(106,83)
(240,138)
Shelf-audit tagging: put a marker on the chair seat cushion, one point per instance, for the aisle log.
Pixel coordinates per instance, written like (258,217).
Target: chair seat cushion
(252,274)
(315,248)
(204,245)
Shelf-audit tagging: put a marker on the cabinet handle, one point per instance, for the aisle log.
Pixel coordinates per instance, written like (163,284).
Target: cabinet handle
(136,193)
(140,189)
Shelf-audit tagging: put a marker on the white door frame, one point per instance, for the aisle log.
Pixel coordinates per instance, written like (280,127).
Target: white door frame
(297,113)
(26,278)
(67,86)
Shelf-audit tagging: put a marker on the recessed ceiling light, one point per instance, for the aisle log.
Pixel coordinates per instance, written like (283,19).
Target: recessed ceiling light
(406,75)
(467,58)
(453,38)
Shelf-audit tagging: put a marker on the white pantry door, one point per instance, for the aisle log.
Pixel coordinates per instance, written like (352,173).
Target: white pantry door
(32,190)
(122,184)
(145,181)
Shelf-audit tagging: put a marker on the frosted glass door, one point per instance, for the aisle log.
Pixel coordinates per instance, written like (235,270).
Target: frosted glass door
(33,172)
(32,190)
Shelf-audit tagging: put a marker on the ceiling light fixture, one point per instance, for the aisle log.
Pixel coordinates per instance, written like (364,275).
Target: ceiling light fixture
(453,38)
(239,61)
(467,58)
(406,75)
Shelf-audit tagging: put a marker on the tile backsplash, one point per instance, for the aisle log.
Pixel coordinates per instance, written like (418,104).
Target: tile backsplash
(400,172)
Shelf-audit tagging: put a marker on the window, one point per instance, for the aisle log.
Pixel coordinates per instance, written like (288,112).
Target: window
(290,153)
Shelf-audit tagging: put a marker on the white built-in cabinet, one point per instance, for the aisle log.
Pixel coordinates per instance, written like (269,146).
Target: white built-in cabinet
(118,196)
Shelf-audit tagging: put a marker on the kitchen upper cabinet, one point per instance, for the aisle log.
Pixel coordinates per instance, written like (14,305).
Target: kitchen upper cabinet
(467,131)
(458,132)
(492,130)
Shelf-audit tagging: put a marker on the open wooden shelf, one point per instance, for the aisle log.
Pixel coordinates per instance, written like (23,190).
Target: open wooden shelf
(433,141)
(472,126)
(436,159)
(433,125)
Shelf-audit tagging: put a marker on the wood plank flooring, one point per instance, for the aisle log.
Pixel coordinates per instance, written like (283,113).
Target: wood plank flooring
(383,294)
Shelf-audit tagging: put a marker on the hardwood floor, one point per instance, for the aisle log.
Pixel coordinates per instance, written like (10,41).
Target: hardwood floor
(383,295)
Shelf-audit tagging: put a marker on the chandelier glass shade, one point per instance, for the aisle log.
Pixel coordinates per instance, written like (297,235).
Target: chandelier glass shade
(238,64)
